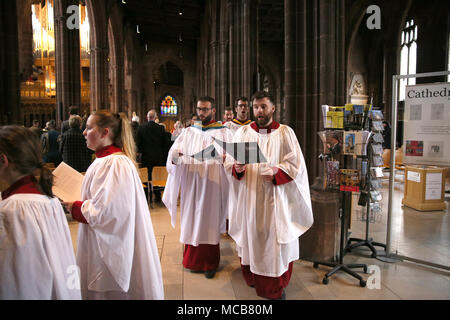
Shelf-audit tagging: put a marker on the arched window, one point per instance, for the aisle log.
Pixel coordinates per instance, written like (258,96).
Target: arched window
(408,56)
(169,106)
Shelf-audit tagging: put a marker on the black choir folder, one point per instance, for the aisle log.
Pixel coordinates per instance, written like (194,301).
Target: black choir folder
(243,152)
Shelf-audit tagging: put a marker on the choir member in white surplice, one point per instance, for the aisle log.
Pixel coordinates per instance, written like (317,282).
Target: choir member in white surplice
(242,115)
(203,186)
(37,259)
(117,252)
(272,205)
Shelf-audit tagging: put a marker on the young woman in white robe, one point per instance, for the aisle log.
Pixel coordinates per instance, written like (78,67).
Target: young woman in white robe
(117,252)
(37,259)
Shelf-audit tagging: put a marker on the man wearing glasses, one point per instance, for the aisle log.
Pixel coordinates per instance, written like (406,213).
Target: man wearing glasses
(196,172)
(242,115)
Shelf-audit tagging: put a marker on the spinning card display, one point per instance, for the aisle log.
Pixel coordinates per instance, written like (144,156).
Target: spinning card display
(377,126)
(376,115)
(349,180)
(377,149)
(333,174)
(375,183)
(377,161)
(378,137)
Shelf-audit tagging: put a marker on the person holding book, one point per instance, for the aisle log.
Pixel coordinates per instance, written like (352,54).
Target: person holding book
(203,189)
(117,252)
(37,259)
(272,205)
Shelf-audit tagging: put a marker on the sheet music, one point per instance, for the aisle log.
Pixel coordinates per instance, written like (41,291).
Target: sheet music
(67,183)
(243,152)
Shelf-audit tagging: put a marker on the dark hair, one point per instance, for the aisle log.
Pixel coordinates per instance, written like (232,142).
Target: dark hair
(52,124)
(241,99)
(228,109)
(122,134)
(73,110)
(263,94)
(22,148)
(207,99)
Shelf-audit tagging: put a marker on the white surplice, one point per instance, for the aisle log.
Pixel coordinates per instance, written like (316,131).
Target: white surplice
(233,126)
(266,220)
(117,252)
(202,185)
(37,259)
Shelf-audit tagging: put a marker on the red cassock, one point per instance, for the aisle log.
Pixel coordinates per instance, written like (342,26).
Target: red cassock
(205,257)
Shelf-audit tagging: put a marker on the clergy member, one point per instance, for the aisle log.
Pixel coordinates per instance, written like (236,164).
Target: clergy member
(117,252)
(242,115)
(272,207)
(37,260)
(203,185)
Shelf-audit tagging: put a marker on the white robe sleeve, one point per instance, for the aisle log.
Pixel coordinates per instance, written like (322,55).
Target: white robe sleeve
(297,215)
(173,184)
(111,215)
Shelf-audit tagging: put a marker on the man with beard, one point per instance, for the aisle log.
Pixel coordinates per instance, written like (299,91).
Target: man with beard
(203,186)
(227,115)
(272,204)
(242,115)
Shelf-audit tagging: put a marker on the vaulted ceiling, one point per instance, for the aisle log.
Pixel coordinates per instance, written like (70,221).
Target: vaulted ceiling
(166,20)
(160,20)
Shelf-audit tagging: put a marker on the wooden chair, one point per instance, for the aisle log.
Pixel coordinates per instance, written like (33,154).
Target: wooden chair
(143,175)
(159,179)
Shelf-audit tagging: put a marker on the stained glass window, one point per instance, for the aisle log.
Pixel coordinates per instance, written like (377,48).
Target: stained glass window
(169,106)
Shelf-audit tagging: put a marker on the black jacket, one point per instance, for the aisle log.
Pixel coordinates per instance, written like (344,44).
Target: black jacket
(74,150)
(153,144)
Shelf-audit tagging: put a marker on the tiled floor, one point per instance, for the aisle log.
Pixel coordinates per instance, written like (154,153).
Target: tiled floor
(400,280)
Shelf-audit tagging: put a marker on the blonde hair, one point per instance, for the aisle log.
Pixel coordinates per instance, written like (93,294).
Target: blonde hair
(121,132)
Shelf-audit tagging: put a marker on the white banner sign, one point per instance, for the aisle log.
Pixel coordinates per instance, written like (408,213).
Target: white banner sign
(426,135)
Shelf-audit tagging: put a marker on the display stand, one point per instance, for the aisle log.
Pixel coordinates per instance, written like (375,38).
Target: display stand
(367,242)
(342,141)
(340,266)
(374,149)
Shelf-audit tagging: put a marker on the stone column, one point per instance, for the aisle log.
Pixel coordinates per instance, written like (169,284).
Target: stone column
(9,65)
(99,78)
(67,60)
(223,99)
(314,69)
(242,48)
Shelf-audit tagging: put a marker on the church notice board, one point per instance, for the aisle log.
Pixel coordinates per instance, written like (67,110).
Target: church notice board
(426,135)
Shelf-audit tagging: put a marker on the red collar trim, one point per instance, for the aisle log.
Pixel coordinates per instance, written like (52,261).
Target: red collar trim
(272,127)
(24,185)
(106,151)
